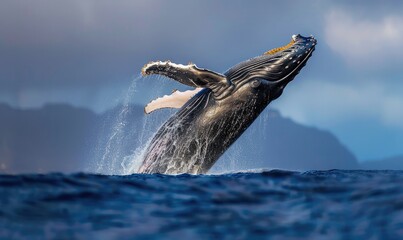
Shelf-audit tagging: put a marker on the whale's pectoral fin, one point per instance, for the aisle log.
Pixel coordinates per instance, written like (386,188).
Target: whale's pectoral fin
(176,100)
(189,75)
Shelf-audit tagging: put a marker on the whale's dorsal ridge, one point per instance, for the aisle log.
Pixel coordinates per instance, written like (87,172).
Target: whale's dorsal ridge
(176,100)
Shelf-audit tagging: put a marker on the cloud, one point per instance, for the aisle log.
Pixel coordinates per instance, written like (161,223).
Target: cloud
(49,48)
(328,104)
(364,41)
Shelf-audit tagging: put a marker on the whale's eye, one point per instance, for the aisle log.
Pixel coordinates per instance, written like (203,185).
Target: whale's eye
(255,83)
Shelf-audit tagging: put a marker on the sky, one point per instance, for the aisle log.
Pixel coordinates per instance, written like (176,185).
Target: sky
(88,52)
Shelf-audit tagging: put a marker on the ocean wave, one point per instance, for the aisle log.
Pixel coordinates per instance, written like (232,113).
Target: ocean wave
(273,204)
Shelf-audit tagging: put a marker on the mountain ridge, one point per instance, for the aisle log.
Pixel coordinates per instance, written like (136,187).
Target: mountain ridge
(64,138)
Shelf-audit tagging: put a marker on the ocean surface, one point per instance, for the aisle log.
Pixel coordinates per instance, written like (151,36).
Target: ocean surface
(248,205)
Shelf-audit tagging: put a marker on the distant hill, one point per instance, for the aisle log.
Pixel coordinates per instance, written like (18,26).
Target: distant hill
(52,138)
(67,139)
(277,142)
(384,164)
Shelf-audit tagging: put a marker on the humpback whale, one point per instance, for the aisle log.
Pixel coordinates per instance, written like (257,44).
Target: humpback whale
(220,108)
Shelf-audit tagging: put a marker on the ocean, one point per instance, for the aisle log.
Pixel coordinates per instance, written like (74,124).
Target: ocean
(260,204)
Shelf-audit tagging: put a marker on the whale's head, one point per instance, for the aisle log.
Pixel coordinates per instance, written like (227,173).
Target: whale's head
(273,70)
(262,78)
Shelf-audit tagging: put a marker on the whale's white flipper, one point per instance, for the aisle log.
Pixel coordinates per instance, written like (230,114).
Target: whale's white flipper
(176,100)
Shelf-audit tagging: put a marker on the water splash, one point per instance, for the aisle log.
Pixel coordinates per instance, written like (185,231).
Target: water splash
(124,148)
(117,153)
(113,150)
(131,163)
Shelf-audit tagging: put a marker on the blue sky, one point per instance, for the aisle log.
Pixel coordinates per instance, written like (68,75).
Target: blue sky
(86,53)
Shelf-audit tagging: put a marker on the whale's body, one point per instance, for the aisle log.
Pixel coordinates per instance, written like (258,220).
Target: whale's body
(225,105)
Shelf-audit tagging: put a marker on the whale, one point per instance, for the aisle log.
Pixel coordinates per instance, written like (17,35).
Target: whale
(213,115)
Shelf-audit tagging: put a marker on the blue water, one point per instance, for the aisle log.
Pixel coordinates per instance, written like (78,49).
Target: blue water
(259,205)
